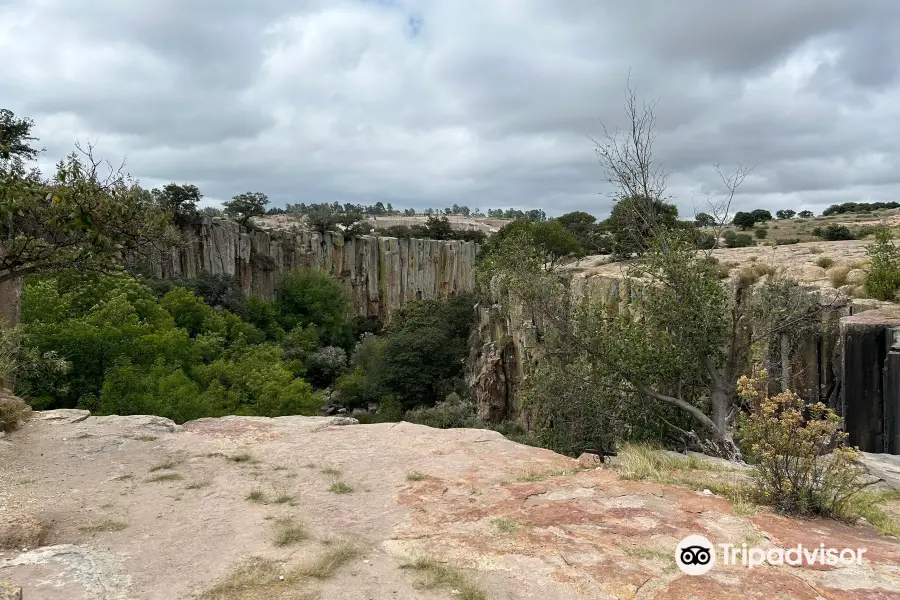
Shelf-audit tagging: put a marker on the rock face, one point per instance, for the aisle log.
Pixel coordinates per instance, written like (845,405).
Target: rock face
(381,273)
(506,348)
(870,371)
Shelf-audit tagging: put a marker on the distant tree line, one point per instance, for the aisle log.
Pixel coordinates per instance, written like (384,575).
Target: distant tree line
(858,207)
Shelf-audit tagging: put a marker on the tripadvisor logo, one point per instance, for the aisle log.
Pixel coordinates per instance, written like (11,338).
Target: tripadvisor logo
(696,555)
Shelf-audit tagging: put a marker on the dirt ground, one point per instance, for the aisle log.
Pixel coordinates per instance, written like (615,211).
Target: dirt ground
(116,508)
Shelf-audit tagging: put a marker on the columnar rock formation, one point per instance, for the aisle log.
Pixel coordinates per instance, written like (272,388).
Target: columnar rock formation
(850,362)
(381,273)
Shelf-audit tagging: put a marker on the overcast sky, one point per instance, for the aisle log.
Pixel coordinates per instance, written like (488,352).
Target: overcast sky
(487,103)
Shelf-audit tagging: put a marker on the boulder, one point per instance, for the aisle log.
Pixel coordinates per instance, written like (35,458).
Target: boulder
(589,461)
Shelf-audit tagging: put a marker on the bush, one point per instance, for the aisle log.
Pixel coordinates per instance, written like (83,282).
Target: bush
(760,233)
(883,281)
(833,233)
(313,297)
(737,240)
(453,412)
(13,412)
(325,365)
(803,466)
(10,342)
(826,262)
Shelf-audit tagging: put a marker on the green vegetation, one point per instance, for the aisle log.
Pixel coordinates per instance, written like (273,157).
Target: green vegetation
(437,574)
(883,281)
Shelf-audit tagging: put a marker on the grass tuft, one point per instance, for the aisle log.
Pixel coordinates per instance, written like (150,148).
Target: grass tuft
(437,574)
(168,465)
(331,471)
(327,563)
(165,477)
(283,498)
(197,485)
(415,476)
(104,525)
(241,458)
(146,438)
(288,532)
(257,579)
(826,262)
(256,495)
(340,487)
(505,525)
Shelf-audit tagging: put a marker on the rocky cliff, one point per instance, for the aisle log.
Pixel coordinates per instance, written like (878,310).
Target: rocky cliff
(381,273)
(507,349)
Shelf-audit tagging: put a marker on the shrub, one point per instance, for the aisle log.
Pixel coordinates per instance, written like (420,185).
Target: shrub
(737,240)
(10,342)
(13,412)
(325,365)
(452,413)
(884,272)
(760,233)
(838,275)
(802,464)
(313,297)
(833,233)
(826,262)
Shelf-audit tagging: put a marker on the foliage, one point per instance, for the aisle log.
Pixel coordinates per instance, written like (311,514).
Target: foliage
(760,233)
(245,206)
(129,353)
(802,463)
(323,366)
(704,220)
(10,344)
(592,236)
(635,220)
(81,218)
(883,281)
(857,207)
(180,201)
(453,412)
(550,240)
(313,297)
(785,214)
(737,240)
(806,214)
(746,220)
(833,233)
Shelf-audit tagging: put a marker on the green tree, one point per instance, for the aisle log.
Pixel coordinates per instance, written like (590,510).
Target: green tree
(883,280)
(81,218)
(704,220)
(179,200)
(636,219)
(314,298)
(806,214)
(245,206)
(785,214)
(744,220)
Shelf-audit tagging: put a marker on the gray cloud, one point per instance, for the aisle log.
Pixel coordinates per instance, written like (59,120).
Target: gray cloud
(426,103)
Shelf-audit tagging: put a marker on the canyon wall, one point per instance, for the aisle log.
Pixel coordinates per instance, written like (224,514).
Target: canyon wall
(381,273)
(852,363)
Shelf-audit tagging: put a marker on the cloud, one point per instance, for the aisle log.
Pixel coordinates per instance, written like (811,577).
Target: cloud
(487,103)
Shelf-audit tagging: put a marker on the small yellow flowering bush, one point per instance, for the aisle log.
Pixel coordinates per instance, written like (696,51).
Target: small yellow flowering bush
(803,465)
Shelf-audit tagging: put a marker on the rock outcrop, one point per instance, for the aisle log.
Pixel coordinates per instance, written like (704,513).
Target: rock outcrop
(139,508)
(507,349)
(381,273)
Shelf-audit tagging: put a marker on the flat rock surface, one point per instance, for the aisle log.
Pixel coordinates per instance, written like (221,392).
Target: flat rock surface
(139,508)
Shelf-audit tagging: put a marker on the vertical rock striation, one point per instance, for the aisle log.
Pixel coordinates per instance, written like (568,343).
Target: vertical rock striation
(381,273)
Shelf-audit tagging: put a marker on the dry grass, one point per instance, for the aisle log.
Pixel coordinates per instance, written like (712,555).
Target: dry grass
(258,579)
(870,505)
(168,465)
(197,485)
(324,565)
(241,458)
(815,250)
(283,498)
(340,487)
(505,525)
(415,476)
(257,495)
(437,574)
(146,438)
(288,532)
(745,277)
(826,262)
(124,477)
(164,477)
(105,525)
(838,275)
(13,412)
(331,471)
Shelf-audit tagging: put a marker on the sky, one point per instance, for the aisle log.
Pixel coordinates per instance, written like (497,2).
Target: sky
(483,103)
